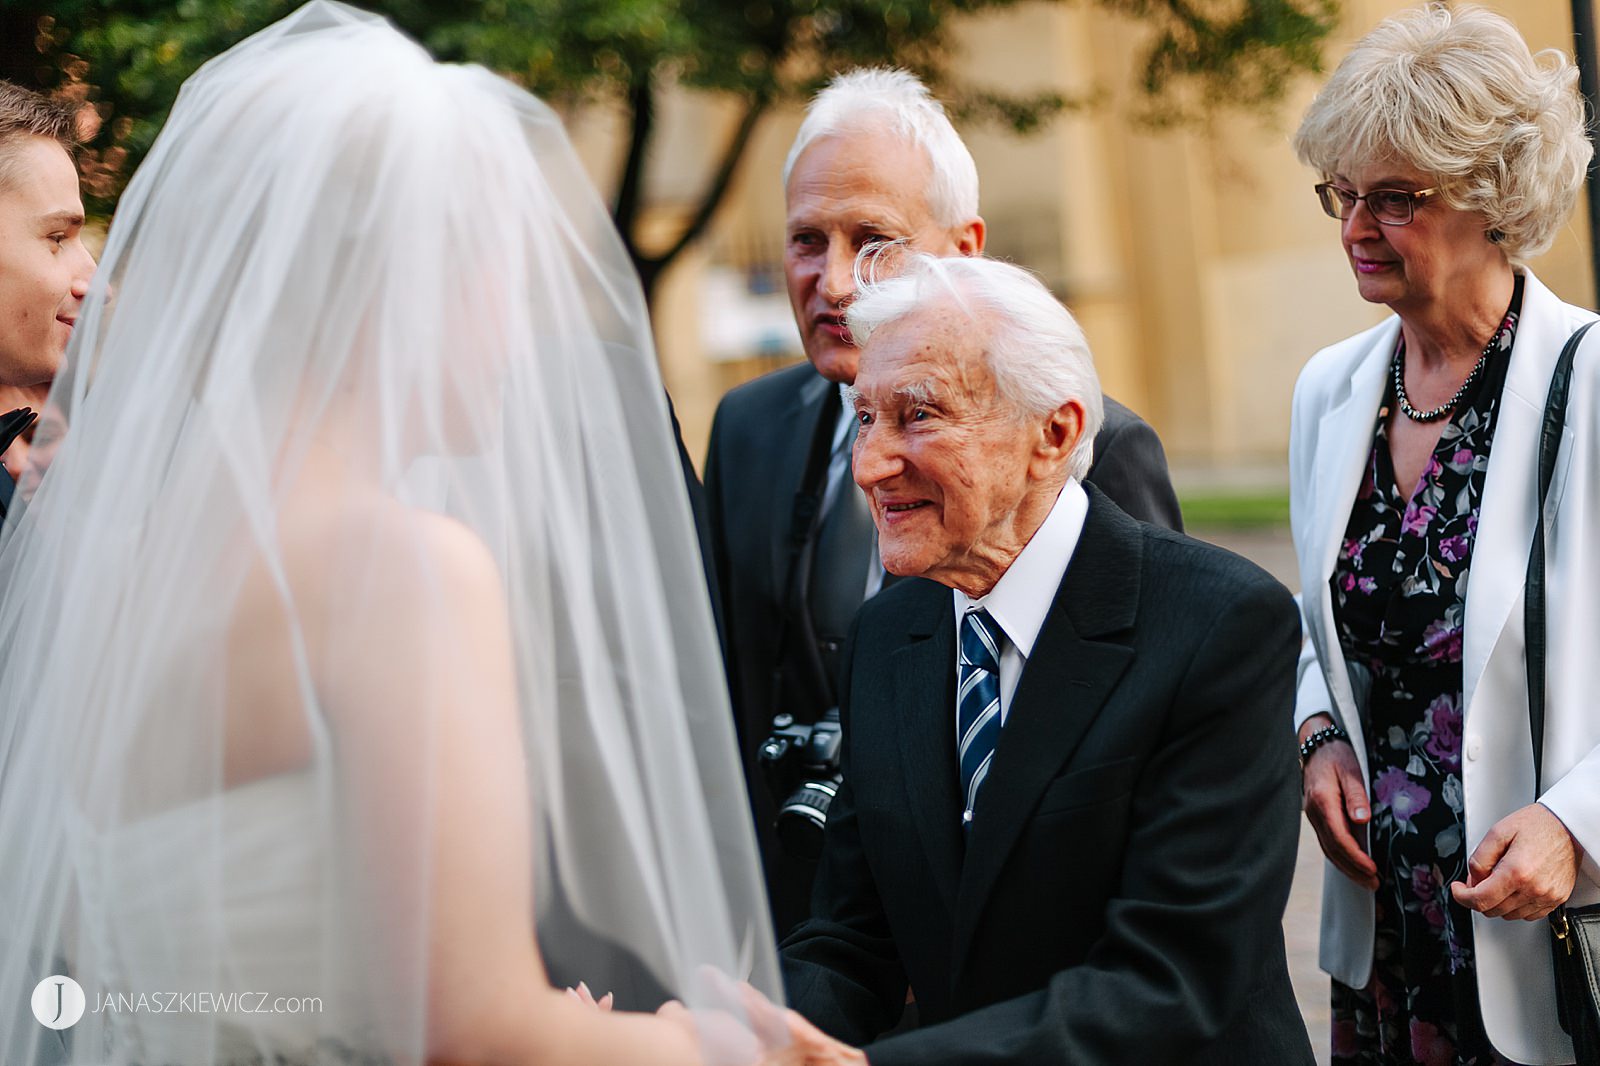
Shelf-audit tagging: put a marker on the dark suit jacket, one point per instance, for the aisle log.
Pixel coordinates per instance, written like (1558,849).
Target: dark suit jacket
(702,524)
(1120,894)
(759,444)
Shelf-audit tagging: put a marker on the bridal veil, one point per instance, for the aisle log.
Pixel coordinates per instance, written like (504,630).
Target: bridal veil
(360,455)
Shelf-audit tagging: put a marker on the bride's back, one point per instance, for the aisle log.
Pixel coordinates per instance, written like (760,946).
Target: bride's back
(341,610)
(396,634)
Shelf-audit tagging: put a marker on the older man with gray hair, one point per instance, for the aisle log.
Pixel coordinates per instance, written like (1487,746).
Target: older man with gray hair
(876,161)
(1068,814)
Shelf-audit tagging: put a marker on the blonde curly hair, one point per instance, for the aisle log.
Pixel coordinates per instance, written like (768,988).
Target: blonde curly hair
(1458,95)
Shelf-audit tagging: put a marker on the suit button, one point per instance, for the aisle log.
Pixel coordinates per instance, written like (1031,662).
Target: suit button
(1474,746)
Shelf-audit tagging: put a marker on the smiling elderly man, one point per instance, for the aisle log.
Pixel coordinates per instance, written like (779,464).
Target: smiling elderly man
(875,162)
(1069,810)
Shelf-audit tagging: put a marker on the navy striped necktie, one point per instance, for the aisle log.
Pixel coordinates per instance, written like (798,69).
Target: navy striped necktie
(977,703)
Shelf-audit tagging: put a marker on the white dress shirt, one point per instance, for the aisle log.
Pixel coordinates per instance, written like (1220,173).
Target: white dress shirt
(1021,598)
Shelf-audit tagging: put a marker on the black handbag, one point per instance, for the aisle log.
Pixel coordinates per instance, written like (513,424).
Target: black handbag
(1575,931)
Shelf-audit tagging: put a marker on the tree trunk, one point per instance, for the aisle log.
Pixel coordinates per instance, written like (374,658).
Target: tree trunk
(650,268)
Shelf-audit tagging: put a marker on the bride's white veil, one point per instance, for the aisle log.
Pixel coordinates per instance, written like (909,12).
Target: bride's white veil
(359,444)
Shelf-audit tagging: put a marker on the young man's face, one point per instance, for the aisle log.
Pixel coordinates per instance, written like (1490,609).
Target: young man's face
(44,267)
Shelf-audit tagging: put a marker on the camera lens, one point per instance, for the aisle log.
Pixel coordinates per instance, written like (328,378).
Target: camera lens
(803,818)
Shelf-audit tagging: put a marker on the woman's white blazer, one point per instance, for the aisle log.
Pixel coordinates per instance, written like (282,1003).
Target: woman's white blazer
(1336,403)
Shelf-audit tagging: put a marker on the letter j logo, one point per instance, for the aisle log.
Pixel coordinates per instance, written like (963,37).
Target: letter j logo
(58,1002)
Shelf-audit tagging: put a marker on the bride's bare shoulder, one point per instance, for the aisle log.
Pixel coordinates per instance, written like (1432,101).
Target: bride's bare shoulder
(406,604)
(378,577)
(391,605)
(387,549)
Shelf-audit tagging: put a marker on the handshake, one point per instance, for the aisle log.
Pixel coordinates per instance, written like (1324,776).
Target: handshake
(750,1031)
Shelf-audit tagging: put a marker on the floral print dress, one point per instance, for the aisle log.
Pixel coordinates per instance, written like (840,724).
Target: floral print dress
(1399,598)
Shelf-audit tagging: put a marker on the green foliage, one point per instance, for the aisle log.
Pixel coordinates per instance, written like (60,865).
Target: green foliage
(1236,510)
(128,57)
(1211,55)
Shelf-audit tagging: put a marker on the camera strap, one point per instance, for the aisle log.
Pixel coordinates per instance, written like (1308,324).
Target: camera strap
(805,522)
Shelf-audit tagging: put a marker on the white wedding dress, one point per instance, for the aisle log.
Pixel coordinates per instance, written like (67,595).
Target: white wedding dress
(277,878)
(496,696)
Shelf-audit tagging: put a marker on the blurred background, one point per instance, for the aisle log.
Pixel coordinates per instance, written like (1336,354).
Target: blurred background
(1134,153)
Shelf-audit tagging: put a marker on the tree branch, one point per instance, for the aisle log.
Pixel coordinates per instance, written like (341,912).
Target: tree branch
(719,185)
(630,186)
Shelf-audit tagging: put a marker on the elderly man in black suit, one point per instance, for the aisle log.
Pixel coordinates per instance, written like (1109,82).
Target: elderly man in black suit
(1069,810)
(875,161)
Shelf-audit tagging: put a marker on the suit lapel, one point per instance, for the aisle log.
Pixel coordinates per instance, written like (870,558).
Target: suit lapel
(1343,443)
(1344,440)
(1505,523)
(1067,680)
(797,424)
(924,698)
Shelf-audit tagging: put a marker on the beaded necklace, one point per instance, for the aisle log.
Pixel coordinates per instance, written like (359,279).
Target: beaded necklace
(1434,414)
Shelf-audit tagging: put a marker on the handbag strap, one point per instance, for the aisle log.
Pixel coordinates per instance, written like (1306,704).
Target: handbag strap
(1533,613)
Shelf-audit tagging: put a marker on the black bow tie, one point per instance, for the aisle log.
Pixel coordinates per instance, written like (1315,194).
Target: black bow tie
(14,424)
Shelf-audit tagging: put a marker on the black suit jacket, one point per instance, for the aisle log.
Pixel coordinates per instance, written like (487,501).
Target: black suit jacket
(1120,894)
(702,523)
(759,444)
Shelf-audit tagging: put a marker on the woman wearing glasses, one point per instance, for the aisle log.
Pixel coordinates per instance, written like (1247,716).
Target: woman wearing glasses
(1450,156)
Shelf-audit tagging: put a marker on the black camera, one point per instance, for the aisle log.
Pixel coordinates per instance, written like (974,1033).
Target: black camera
(801,764)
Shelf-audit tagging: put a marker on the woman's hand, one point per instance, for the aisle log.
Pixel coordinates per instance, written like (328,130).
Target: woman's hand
(810,1046)
(1524,868)
(1335,801)
(757,1032)
(583,995)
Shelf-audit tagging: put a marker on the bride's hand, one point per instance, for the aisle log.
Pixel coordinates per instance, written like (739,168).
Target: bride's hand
(810,1046)
(583,995)
(731,1037)
(767,1035)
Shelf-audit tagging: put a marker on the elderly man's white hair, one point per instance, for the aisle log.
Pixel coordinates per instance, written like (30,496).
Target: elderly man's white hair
(1032,344)
(878,98)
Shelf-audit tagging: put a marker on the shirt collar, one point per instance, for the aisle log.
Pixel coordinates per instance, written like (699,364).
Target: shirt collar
(1021,598)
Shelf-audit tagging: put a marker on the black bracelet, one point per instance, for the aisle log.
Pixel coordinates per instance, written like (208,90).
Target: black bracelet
(1309,746)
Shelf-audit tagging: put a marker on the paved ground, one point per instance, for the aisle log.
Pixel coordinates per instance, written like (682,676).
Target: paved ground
(1272,551)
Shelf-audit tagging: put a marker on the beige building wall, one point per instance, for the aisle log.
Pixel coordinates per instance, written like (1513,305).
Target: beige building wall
(1197,259)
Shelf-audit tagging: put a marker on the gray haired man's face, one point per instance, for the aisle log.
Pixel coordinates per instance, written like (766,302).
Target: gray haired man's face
(846,193)
(957,482)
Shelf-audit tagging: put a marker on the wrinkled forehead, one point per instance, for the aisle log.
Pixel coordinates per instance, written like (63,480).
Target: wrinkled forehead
(870,163)
(932,352)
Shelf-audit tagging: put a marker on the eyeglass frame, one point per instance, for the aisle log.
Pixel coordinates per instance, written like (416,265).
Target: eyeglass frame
(1413,201)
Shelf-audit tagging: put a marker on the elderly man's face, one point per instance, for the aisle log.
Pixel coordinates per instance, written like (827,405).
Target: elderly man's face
(957,482)
(44,267)
(847,192)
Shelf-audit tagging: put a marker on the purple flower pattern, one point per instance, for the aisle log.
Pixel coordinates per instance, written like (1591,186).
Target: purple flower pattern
(1441,640)
(1399,591)
(1403,797)
(1454,548)
(1443,724)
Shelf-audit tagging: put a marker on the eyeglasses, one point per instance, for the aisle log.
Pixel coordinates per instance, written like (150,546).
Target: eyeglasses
(1391,207)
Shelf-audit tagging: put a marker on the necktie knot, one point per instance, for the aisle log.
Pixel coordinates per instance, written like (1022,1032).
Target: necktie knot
(980,644)
(977,703)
